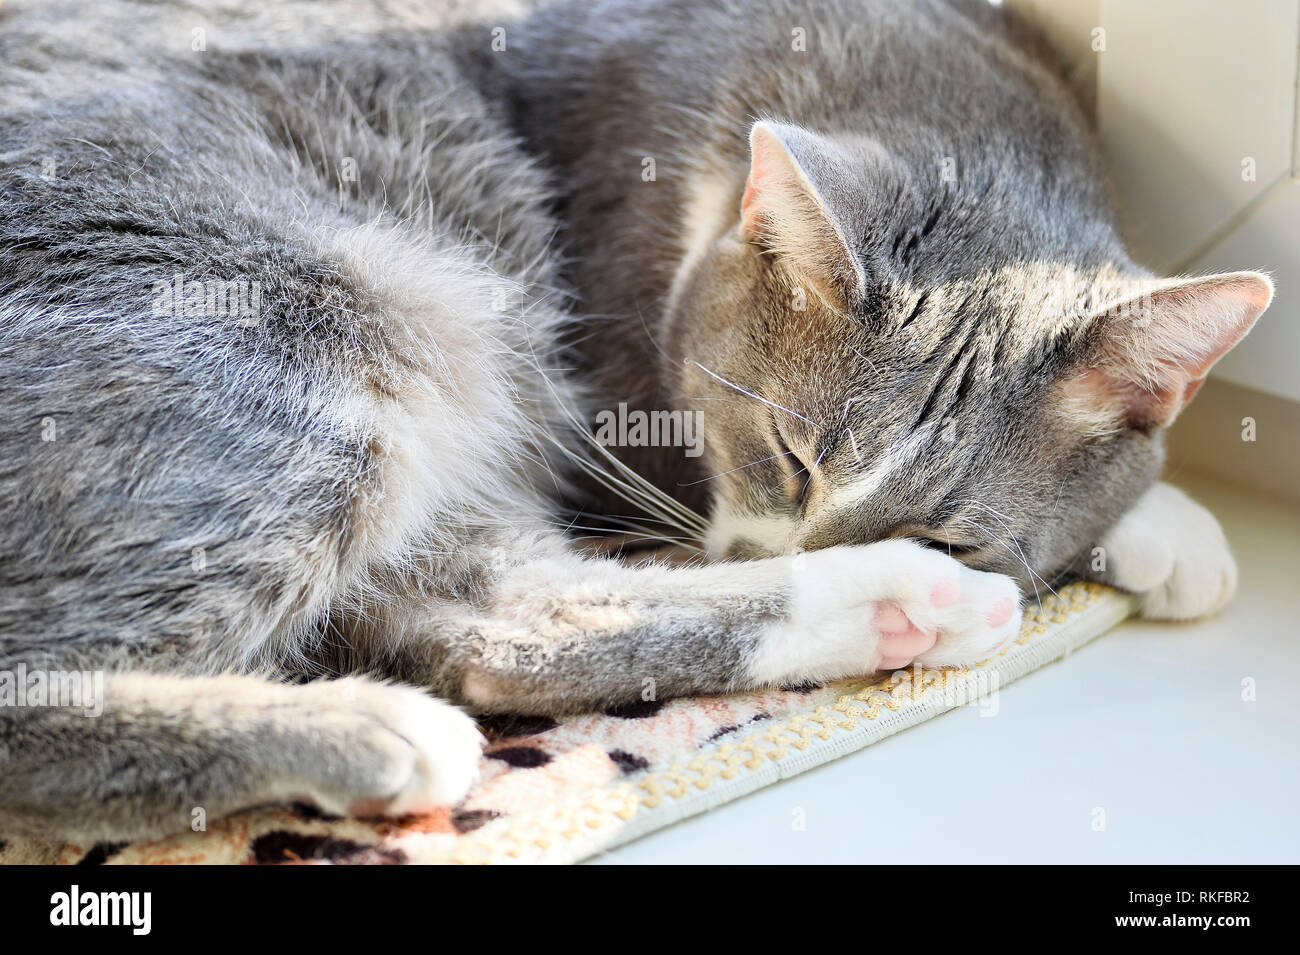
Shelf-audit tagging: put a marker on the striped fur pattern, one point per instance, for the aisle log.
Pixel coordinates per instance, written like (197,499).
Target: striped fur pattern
(882,266)
(294,384)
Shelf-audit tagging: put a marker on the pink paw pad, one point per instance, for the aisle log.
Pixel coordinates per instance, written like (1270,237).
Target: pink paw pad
(900,640)
(945,593)
(1001,612)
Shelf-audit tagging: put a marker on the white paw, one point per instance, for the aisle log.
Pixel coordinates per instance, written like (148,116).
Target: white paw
(882,606)
(446,745)
(1172,552)
(412,752)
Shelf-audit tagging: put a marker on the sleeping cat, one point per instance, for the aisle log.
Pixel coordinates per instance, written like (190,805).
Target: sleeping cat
(876,253)
(286,392)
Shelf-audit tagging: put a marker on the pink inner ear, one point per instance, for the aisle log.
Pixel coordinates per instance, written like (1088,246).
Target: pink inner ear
(1120,400)
(1100,399)
(1154,367)
(1218,317)
(1256,294)
(749,214)
(767,174)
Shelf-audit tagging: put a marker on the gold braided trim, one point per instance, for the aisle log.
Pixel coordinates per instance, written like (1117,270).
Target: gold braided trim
(532,835)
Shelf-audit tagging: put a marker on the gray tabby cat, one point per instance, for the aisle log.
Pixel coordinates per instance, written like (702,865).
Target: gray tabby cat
(284,390)
(876,252)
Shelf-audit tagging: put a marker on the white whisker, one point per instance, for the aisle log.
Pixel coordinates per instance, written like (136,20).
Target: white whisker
(750,394)
(1034,576)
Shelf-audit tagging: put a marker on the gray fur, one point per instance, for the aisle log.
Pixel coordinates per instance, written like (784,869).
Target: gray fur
(982,294)
(218,497)
(371,476)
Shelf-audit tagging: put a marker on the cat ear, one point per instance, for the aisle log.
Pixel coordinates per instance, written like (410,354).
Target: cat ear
(784,212)
(1158,345)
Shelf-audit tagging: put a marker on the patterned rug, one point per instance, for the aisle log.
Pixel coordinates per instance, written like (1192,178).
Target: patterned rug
(560,791)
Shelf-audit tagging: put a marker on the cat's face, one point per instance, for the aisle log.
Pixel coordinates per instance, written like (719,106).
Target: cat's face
(1006,410)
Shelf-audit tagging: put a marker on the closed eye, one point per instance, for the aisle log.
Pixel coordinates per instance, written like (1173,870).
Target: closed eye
(951,548)
(800,474)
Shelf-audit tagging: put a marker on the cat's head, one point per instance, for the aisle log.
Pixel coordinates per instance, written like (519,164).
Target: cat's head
(973,363)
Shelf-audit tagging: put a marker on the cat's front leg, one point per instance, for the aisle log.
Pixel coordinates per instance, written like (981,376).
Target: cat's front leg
(165,750)
(1172,552)
(564,634)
